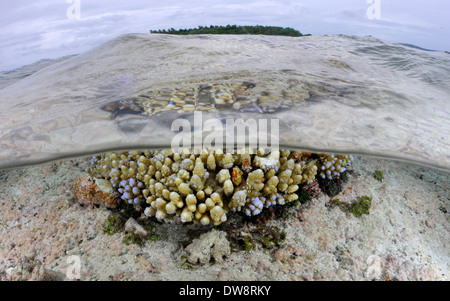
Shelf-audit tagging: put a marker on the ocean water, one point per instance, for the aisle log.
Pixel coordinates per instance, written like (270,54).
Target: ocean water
(338,94)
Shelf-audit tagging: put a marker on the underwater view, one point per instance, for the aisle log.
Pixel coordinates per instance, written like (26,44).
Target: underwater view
(327,93)
(224,153)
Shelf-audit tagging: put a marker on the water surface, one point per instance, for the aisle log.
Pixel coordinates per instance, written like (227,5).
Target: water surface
(334,94)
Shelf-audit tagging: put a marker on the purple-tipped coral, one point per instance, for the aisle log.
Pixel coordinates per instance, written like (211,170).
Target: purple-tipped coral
(204,187)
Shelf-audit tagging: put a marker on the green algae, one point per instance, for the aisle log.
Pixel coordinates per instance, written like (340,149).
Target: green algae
(246,242)
(361,206)
(255,236)
(133,238)
(303,197)
(139,239)
(114,223)
(378,175)
(358,207)
(272,237)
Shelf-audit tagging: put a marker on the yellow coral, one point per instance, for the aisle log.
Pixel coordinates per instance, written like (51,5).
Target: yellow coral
(201,187)
(223,175)
(331,166)
(228,187)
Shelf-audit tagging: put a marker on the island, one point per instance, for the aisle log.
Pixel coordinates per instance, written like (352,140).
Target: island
(234,29)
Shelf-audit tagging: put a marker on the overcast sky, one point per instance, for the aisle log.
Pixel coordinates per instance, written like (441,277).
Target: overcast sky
(31,30)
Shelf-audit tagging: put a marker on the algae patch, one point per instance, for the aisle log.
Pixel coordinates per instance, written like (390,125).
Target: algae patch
(358,207)
(378,175)
(361,206)
(272,237)
(116,223)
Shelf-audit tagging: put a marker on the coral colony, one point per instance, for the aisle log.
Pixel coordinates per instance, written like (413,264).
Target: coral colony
(203,187)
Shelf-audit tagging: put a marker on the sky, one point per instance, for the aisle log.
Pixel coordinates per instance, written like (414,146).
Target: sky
(32,30)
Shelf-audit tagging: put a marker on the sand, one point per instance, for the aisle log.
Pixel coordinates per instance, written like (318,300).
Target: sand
(46,235)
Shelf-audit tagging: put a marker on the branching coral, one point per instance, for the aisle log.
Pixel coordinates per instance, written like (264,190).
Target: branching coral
(331,166)
(204,187)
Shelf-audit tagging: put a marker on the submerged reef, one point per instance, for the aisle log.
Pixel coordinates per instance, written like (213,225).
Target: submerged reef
(237,95)
(203,187)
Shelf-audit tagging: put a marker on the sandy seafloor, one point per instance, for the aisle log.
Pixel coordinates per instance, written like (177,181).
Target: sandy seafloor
(405,237)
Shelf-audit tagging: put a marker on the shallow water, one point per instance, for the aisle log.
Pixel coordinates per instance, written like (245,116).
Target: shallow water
(335,94)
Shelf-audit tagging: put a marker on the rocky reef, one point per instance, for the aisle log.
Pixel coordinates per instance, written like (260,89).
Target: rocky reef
(203,187)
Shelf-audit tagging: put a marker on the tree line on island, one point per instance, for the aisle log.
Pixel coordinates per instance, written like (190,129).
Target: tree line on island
(234,29)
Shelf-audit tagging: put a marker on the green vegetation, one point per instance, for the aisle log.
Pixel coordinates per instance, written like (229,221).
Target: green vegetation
(235,29)
(269,238)
(246,242)
(378,175)
(361,206)
(114,224)
(358,208)
(133,238)
(303,197)
(272,237)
